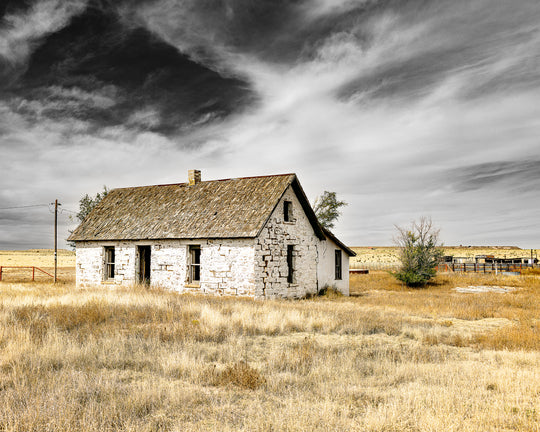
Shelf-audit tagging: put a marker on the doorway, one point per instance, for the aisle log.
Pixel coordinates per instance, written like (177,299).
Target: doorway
(144,264)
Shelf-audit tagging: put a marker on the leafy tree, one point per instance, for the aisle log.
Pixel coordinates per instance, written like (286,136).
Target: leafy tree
(87,204)
(420,252)
(326,209)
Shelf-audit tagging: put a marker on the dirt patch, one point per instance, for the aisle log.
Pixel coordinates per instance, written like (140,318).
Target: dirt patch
(484,289)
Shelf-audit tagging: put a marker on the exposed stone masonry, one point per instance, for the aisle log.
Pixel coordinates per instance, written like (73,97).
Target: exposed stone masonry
(226,265)
(271,267)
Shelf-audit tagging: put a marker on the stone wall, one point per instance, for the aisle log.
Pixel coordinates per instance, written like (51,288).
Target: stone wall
(168,264)
(90,263)
(271,267)
(227,266)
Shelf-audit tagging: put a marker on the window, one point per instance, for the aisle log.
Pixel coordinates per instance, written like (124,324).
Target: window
(338,264)
(194,276)
(290,264)
(287,211)
(109,262)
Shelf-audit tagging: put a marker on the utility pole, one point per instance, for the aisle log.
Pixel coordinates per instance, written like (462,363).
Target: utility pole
(55,239)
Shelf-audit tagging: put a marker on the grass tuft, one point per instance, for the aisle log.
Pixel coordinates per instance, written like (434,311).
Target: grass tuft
(239,374)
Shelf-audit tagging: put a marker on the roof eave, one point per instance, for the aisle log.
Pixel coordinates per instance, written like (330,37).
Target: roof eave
(308,210)
(161,238)
(342,245)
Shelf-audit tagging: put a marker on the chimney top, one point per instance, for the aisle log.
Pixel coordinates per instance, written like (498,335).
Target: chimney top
(194,177)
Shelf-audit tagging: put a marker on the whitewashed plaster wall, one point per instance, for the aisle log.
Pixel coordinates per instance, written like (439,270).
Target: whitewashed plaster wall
(271,267)
(326,267)
(90,263)
(227,266)
(168,264)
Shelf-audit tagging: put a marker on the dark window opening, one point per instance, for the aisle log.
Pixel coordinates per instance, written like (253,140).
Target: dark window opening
(287,211)
(338,264)
(144,264)
(290,264)
(194,264)
(109,262)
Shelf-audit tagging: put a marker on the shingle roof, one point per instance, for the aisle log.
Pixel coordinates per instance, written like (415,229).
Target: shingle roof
(232,208)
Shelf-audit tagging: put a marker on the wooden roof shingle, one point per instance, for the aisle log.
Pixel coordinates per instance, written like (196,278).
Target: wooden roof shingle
(232,208)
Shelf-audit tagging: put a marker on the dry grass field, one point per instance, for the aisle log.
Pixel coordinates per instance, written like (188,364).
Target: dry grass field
(379,255)
(42,258)
(386,359)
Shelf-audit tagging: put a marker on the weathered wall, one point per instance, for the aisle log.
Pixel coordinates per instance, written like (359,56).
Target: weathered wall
(227,266)
(326,267)
(271,253)
(90,263)
(168,264)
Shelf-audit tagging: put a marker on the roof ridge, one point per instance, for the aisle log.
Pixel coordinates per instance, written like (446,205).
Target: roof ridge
(207,181)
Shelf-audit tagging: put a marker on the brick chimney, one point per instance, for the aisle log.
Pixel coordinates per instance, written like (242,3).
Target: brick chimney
(194,177)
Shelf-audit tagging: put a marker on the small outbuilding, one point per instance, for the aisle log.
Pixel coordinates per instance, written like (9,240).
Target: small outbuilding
(251,236)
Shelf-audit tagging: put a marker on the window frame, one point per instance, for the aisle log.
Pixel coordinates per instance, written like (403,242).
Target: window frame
(287,211)
(338,264)
(290,264)
(109,261)
(194,268)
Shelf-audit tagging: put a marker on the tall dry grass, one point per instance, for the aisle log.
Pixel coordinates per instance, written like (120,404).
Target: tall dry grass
(150,360)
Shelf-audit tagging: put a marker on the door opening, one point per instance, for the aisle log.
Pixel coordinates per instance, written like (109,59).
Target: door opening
(144,264)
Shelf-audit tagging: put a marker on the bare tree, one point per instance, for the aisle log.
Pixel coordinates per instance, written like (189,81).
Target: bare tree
(420,252)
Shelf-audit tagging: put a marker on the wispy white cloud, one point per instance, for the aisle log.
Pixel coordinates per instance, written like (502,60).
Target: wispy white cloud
(319,8)
(23,30)
(385,154)
(395,110)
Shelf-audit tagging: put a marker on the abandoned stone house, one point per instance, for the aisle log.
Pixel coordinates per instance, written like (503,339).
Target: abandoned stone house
(253,236)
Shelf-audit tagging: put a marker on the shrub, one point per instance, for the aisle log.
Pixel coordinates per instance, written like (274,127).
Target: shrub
(420,253)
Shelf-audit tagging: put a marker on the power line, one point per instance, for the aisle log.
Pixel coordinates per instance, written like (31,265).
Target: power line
(50,206)
(27,206)
(69,211)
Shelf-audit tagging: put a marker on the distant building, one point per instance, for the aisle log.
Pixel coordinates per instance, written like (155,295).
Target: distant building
(253,236)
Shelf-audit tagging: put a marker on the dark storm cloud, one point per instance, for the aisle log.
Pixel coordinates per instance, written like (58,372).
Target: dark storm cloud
(264,27)
(98,70)
(13,6)
(283,32)
(523,175)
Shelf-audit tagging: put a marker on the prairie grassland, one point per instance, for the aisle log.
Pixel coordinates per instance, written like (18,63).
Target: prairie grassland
(389,255)
(42,258)
(386,359)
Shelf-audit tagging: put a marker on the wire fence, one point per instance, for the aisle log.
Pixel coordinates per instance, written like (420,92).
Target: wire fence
(373,266)
(450,267)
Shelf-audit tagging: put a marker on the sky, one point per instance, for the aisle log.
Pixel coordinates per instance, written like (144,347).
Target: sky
(404,108)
